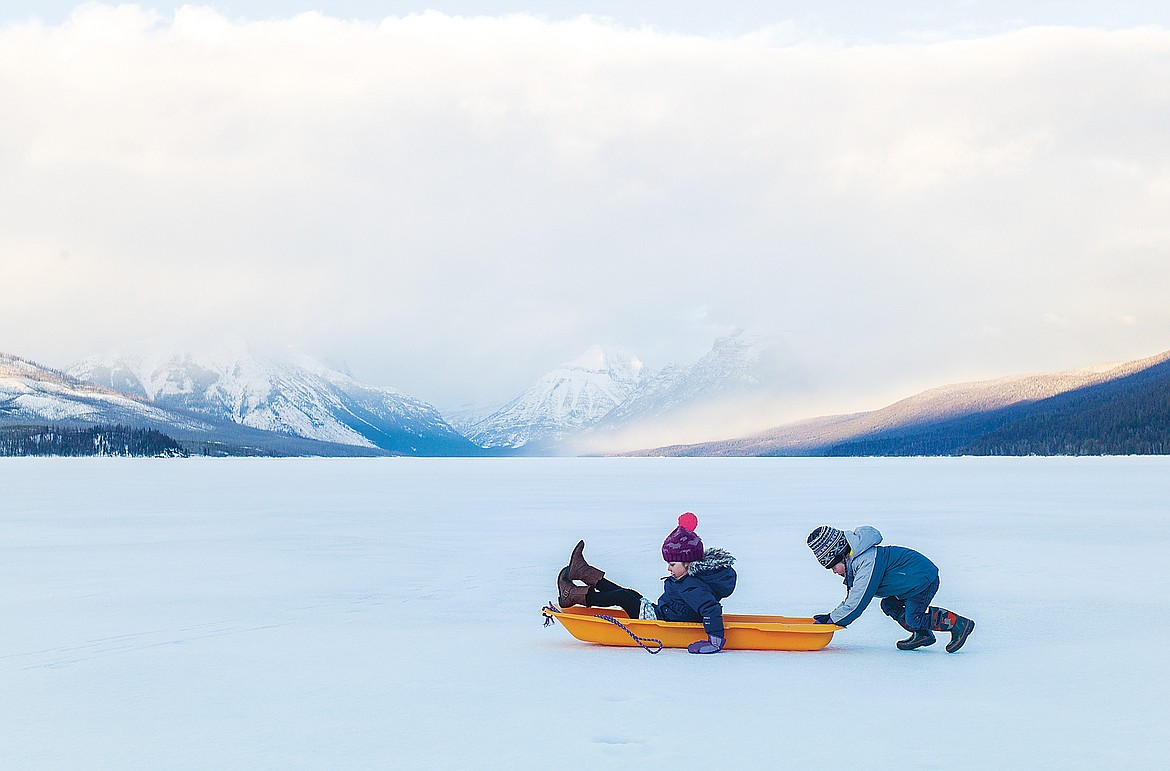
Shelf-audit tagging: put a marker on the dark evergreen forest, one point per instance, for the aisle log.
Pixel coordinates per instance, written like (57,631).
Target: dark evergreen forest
(93,440)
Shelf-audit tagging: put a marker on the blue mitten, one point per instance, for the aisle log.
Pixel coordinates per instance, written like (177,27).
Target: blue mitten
(822,618)
(712,644)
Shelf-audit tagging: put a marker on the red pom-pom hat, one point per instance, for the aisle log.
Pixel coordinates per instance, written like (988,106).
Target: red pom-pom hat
(683,545)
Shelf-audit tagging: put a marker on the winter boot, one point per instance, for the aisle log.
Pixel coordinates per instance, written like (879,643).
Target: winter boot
(943,620)
(580,570)
(568,593)
(917,639)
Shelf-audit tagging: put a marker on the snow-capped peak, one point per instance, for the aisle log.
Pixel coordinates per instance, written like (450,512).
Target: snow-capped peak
(597,359)
(576,394)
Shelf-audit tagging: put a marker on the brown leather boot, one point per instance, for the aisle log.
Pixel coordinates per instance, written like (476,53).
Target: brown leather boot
(568,593)
(580,570)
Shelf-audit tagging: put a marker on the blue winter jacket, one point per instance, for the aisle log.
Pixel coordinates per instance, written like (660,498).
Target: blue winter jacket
(696,596)
(879,571)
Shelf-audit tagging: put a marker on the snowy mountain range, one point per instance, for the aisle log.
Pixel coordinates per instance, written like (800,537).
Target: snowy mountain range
(34,395)
(220,389)
(231,399)
(292,395)
(588,401)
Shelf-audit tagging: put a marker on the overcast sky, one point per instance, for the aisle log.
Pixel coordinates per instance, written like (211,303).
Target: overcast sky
(454,202)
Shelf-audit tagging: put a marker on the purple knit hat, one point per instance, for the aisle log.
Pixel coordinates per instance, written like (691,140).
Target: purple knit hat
(683,545)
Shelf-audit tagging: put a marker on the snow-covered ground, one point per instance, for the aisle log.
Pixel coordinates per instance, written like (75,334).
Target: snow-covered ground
(383,613)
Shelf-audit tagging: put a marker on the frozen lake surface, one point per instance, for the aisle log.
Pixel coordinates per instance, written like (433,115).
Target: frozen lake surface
(384,613)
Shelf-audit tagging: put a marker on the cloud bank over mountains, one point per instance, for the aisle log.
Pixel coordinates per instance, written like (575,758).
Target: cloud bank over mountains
(443,201)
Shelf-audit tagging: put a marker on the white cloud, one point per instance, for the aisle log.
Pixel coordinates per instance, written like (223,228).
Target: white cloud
(455,205)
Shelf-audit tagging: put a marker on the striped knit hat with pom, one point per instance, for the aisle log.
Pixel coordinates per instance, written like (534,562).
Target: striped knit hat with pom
(828,545)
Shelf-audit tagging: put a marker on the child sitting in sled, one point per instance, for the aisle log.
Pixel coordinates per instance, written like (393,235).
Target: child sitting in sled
(905,579)
(699,578)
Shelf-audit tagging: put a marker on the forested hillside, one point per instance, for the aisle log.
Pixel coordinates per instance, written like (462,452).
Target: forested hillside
(1126,416)
(93,440)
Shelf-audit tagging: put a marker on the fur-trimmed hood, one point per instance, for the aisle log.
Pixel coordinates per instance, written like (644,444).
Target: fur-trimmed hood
(696,596)
(714,558)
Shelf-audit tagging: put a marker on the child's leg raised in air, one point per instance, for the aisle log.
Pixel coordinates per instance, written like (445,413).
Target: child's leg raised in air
(607,594)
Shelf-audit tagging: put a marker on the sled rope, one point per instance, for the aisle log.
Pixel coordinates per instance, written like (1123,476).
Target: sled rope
(548,619)
(640,640)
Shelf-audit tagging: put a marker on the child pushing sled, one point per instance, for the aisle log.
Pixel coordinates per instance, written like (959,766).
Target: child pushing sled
(699,578)
(905,579)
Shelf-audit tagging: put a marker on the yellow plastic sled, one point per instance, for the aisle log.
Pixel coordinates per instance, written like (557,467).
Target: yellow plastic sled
(744,632)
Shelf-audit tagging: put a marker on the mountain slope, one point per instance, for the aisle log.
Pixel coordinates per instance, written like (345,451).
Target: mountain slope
(573,396)
(728,369)
(32,395)
(1127,414)
(293,397)
(965,418)
(1022,422)
(602,399)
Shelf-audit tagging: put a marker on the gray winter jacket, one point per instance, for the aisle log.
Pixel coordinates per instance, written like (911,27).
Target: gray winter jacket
(879,571)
